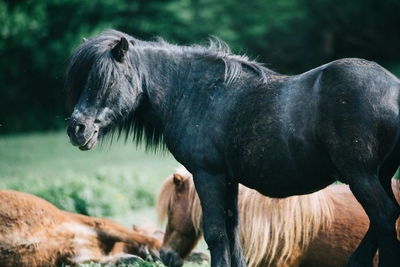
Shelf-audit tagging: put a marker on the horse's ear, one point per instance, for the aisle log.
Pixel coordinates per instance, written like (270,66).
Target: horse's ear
(120,49)
(178,181)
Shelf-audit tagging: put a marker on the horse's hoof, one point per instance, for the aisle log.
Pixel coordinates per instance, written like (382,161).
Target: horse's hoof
(130,259)
(198,257)
(170,258)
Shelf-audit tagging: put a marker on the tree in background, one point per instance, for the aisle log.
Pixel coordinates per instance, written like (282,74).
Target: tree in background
(37,37)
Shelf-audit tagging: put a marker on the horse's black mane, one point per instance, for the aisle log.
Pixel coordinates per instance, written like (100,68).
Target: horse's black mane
(220,51)
(94,56)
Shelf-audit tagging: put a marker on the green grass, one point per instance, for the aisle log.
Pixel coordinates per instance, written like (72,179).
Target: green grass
(108,181)
(118,181)
(141,264)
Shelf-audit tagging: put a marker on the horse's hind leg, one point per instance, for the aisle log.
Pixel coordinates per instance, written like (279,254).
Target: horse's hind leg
(367,249)
(382,214)
(232,225)
(386,172)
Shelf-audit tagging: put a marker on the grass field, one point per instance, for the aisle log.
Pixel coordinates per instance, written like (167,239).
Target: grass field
(117,181)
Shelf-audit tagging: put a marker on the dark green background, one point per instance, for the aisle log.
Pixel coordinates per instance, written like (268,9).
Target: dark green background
(37,37)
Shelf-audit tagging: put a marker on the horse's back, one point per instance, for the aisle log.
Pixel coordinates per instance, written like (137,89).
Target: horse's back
(18,209)
(31,231)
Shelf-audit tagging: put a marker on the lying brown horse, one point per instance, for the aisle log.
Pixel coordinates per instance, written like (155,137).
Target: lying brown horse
(33,232)
(319,229)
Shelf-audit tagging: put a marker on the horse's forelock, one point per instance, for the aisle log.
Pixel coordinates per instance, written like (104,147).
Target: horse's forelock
(166,198)
(77,73)
(93,53)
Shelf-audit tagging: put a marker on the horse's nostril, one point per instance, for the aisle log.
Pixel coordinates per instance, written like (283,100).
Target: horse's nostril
(79,129)
(170,258)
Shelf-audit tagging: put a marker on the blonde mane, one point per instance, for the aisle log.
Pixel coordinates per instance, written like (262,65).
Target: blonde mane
(273,229)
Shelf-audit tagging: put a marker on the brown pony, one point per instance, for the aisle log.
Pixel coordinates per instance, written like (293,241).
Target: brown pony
(33,232)
(319,229)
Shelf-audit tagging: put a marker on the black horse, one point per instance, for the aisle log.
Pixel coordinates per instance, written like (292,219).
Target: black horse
(230,120)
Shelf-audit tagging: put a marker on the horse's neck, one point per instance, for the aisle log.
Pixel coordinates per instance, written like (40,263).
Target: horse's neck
(167,74)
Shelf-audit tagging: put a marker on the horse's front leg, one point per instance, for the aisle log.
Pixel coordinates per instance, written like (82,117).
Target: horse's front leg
(212,191)
(232,224)
(366,250)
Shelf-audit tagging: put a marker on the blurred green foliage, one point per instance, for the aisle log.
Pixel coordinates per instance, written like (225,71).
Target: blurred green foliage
(37,37)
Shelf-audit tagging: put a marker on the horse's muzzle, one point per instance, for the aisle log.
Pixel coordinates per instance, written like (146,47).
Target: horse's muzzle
(170,258)
(83,134)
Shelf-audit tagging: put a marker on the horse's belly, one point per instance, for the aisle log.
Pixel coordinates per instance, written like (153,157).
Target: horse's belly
(285,175)
(289,188)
